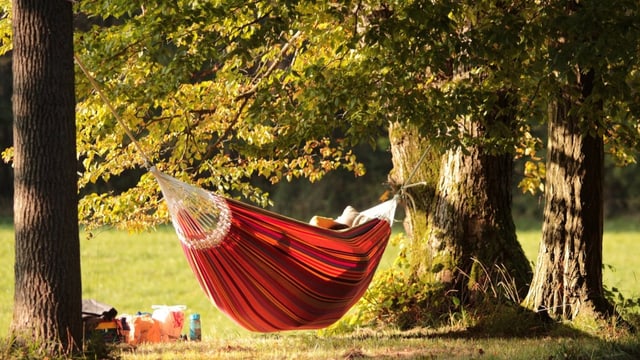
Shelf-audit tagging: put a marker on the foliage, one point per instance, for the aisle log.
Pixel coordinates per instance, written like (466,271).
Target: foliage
(397,302)
(448,63)
(570,40)
(397,299)
(625,306)
(401,298)
(534,169)
(6,35)
(219,93)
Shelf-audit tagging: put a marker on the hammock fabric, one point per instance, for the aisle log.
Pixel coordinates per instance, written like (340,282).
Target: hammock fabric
(269,272)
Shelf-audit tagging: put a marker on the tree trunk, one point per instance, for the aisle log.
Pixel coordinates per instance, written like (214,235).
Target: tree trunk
(472,237)
(463,214)
(48,290)
(568,275)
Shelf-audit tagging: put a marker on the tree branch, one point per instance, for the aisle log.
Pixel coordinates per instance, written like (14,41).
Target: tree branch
(246,95)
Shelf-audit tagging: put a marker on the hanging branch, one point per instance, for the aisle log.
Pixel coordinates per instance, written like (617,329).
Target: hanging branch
(246,95)
(242,97)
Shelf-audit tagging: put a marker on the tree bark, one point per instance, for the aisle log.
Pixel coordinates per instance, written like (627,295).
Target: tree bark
(407,149)
(472,237)
(461,220)
(568,276)
(47,307)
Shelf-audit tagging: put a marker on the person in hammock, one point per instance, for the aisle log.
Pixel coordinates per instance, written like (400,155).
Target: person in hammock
(350,217)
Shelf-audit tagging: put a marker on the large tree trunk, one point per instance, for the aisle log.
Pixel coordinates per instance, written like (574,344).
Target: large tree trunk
(461,220)
(568,275)
(48,290)
(472,237)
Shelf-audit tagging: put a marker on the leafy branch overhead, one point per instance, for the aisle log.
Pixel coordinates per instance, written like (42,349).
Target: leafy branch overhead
(222,93)
(6,35)
(205,107)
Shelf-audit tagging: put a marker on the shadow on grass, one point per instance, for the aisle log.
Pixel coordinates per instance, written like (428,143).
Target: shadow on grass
(511,334)
(518,333)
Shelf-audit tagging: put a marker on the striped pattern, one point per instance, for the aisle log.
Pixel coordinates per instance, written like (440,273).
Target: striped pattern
(273,273)
(269,272)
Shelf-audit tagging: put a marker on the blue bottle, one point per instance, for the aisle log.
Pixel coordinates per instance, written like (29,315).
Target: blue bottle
(195,331)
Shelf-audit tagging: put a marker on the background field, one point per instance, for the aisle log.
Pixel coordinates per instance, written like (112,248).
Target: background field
(132,272)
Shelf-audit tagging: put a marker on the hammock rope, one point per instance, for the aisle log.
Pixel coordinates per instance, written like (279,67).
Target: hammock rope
(147,160)
(266,271)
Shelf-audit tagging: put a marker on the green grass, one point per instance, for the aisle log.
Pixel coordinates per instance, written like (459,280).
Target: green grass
(132,272)
(6,277)
(389,345)
(620,252)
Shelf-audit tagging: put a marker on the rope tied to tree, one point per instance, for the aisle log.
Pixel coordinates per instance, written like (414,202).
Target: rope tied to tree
(402,192)
(407,184)
(148,164)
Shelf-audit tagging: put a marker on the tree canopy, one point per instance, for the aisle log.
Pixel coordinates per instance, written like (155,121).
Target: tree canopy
(224,92)
(215,92)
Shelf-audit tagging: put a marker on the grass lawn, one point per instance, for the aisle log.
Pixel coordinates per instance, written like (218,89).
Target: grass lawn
(393,345)
(132,272)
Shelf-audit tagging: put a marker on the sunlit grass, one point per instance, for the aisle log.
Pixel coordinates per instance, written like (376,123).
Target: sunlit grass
(422,344)
(620,255)
(6,277)
(132,272)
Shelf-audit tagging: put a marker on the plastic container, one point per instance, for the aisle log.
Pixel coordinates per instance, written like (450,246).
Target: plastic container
(171,318)
(195,328)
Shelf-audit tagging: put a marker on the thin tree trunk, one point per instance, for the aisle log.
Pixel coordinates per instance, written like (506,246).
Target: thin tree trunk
(568,275)
(414,162)
(47,307)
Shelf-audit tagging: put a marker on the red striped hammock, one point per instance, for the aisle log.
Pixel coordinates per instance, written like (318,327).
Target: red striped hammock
(269,272)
